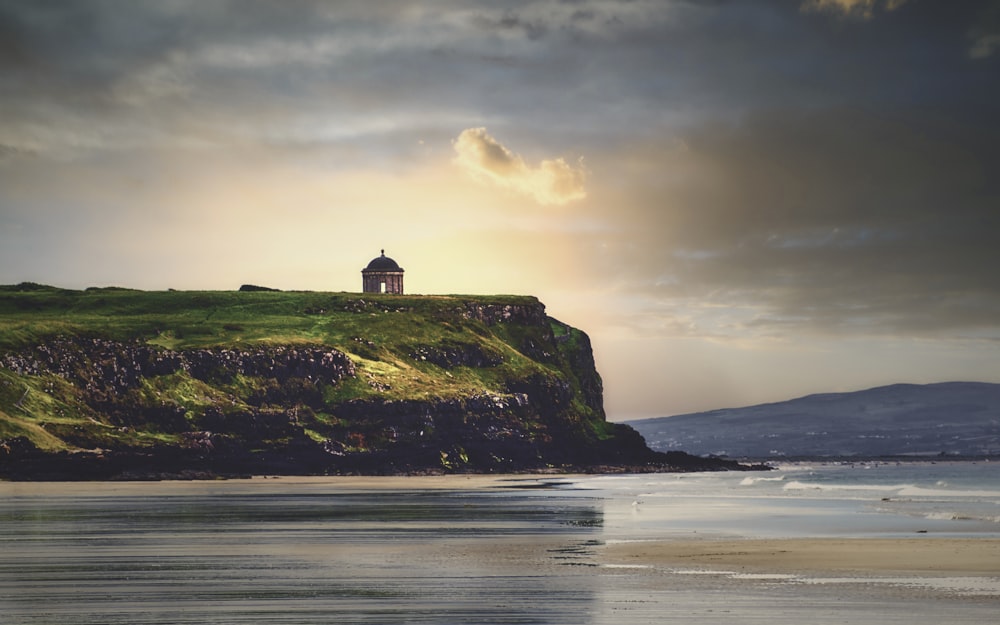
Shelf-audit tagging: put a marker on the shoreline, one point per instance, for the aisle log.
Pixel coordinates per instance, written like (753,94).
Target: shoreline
(264,483)
(908,556)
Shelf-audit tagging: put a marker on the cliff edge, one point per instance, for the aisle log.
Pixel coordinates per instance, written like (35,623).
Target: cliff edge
(123,384)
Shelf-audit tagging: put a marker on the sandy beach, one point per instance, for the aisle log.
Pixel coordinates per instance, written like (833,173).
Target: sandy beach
(559,550)
(897,556)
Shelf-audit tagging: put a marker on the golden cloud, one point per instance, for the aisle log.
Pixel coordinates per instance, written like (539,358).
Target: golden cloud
(554,181)
(857,8)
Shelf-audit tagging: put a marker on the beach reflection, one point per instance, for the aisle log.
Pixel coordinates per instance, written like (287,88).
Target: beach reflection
(307,551)
(587,550)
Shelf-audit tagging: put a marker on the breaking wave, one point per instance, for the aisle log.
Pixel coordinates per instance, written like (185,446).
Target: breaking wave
(750,481)
(961,516)
(900,490)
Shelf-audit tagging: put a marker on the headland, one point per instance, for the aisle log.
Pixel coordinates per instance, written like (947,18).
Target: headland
(112,383)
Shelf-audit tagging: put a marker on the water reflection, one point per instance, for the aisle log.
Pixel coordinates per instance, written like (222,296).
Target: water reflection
(295,553)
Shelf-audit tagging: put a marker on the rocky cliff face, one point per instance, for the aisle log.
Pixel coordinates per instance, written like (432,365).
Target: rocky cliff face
(464,386)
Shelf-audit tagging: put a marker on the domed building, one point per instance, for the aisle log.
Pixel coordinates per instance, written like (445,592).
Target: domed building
(382,275)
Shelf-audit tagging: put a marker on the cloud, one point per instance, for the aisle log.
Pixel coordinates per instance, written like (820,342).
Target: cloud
(983,45)
(837,222)
(864,9)
(984,34)
(554,181)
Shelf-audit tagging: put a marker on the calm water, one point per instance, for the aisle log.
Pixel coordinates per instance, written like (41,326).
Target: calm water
(301,551)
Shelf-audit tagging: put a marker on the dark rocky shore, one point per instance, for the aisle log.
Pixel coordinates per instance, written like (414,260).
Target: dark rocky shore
(21,461)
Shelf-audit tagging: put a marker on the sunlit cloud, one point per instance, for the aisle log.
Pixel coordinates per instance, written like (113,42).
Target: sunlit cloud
(984,45)
(554,181)
(864,9)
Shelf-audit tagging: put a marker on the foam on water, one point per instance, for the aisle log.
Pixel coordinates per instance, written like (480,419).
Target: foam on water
(750,481)
(979,586)
(796,500)
(903,490)
(954,516)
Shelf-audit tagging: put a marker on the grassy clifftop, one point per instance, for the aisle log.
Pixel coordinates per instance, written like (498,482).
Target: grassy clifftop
(126,382)
(381,334)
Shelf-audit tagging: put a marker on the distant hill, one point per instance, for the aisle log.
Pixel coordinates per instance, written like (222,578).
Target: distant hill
(951,418)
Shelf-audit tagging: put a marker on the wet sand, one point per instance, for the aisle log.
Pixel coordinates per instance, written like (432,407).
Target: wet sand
(456,549)
(898,556)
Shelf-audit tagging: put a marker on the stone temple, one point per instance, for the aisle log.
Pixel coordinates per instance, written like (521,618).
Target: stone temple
(382,275)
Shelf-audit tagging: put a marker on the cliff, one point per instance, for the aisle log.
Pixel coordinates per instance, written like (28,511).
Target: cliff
(116,383)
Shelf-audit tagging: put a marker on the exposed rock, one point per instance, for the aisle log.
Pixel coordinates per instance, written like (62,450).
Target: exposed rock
(529,396)
(492,314)
(454,354)
(254,287)
(105,367)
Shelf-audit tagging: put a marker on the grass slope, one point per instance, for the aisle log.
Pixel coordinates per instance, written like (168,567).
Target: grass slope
(385,336)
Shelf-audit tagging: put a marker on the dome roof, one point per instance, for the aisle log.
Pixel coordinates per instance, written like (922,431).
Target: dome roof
(383,263)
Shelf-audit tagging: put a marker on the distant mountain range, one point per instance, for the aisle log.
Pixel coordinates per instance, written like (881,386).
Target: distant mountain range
(950,419)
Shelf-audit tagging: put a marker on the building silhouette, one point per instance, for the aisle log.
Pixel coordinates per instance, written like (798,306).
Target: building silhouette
(382,275)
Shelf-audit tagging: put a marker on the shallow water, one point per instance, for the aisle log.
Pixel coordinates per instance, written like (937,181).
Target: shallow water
(800,500)
(301,551)
(295,553)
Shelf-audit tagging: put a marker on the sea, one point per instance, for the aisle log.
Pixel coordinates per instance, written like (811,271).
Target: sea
(520,549)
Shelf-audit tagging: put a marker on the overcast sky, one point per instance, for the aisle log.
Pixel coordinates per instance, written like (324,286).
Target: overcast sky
(739,201)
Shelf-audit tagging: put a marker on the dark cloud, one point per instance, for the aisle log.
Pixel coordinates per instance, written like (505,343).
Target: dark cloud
(140,72)
(510,21)
(838,220)
(821,169)
(984,33)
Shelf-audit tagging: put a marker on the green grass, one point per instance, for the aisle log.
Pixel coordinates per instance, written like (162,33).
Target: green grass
(187,319)
(379,333)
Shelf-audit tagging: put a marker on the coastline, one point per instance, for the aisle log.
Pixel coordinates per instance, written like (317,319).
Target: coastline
(917,555)
(483,548)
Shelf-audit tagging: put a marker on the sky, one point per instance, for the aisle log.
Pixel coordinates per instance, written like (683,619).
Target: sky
(739,201)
